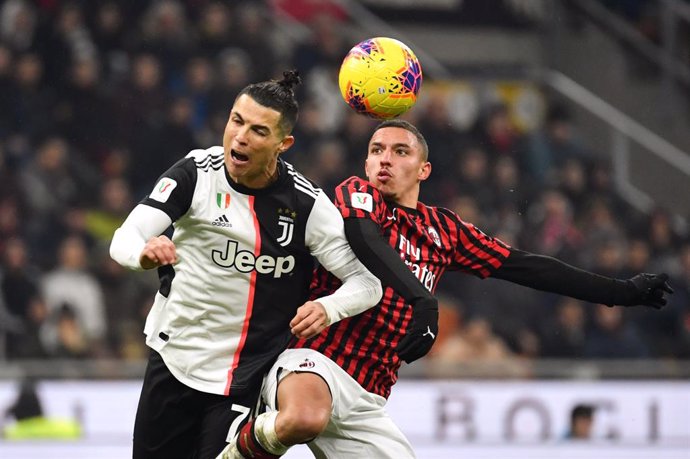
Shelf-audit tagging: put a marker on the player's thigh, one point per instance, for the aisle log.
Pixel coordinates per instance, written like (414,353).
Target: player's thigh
(163,427)
(303,391)
(366,436)
(222,420)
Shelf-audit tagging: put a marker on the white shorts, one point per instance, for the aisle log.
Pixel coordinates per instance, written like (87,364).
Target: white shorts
(359,425)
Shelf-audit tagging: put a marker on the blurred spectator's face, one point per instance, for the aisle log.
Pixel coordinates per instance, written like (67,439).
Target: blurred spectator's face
(473,165)
(52,155)
(395,164)
(146,72)
(506,171)
(15,254)
(85,73)
(199,74)
(5,61)
(608,318)
(609,256)
(638,254)
(582,427)
(116,196)
(29,70)
(555,205)
(478,331)
(571,315)
(573,176)
(215,20)
(685,259)
(109,17)
(73,254)
(467,207)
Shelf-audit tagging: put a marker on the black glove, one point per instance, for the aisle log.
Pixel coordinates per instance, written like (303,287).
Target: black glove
(421,334)
(647,290)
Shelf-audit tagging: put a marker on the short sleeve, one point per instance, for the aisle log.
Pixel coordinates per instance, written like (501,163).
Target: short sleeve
(358,198)
(174,189)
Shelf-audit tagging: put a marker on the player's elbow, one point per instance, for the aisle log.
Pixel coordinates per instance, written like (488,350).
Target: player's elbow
(376,288)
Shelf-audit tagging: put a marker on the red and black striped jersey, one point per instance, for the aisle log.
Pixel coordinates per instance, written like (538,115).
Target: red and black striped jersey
(430,240)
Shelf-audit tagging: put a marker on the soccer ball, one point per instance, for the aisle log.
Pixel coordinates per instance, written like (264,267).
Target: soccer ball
(380,77)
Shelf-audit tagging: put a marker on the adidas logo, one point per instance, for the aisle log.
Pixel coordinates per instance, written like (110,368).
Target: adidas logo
(222,221)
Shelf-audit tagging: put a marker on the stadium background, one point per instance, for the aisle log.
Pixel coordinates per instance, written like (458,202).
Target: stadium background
(559,126)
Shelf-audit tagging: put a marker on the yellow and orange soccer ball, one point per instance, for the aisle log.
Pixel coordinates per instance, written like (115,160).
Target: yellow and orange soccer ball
(380,77)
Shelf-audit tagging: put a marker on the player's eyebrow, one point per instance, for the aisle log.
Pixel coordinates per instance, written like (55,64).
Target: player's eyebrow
(395,145)
(257,127)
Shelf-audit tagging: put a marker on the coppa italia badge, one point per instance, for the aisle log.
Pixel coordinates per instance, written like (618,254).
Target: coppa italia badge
(307,364)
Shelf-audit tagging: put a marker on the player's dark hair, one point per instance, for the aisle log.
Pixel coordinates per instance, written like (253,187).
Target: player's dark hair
(278,95)
(408,127)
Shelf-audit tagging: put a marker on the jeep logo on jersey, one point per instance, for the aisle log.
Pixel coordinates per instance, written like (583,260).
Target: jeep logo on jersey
(245,261)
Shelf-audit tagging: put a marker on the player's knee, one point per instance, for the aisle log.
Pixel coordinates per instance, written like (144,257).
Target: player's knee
(307,422)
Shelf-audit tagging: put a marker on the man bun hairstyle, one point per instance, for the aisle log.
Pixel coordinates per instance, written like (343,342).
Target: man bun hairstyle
(278,95)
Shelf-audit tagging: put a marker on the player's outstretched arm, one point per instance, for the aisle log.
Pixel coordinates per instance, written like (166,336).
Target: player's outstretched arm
(552,275)
(137,244)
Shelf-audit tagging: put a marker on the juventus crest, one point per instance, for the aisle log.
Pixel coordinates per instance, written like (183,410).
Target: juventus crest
(286,221)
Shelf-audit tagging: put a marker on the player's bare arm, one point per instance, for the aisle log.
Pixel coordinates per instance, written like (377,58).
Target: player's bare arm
(158,251)
(310,320)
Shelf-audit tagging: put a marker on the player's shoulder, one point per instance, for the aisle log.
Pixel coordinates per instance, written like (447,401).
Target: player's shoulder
(440,213)
(212,158)
(301,183)
(357,185)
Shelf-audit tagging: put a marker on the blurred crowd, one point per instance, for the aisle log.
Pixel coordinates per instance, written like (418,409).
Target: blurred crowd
(100,97)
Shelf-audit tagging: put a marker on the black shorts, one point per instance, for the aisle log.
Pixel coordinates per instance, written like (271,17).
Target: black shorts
(175,421)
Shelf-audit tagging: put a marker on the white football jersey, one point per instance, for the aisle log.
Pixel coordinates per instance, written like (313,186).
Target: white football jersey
(222,313)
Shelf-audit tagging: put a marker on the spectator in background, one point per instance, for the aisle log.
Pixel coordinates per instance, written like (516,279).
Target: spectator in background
(6,91)
(32,102)
(216,27)
(22,298)
(162,138)
(553,145)
(51,187)
(71,340)
(613,337)
(234,70)
(85,111)
(563,336)
(471,177)
(67,40)
(167,34)
(663,239)
(551,228)
(71,283)
(497,134)
(581,421)
(114,204)
(141,99)
(109,33)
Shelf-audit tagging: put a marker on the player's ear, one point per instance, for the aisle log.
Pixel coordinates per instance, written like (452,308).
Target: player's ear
(424,171)
(286,143)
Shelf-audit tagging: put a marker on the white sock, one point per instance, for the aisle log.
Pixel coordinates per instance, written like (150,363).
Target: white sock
(265,431)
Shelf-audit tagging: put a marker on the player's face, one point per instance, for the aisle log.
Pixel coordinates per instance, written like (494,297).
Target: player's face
(252,142)
(395,165)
